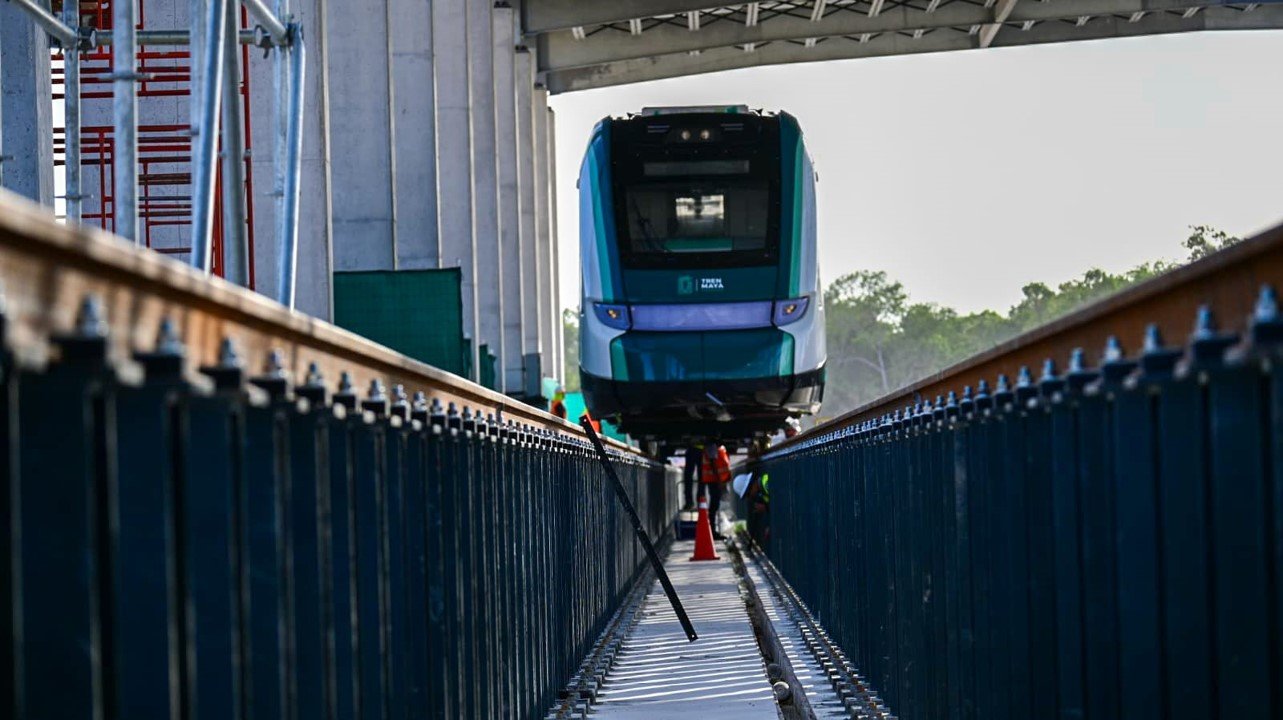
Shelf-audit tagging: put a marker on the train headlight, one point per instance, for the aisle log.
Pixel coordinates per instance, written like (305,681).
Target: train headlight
(790,311)
(613,316)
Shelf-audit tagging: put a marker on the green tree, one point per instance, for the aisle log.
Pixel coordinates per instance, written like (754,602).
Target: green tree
(1204,240)
(570,336)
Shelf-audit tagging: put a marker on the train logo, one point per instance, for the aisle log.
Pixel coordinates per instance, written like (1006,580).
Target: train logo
(685,285)
(711,284)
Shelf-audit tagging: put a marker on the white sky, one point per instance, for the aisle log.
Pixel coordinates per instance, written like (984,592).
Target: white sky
(966,175)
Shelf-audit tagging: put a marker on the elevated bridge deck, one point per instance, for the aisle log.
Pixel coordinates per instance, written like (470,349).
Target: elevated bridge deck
(215,507)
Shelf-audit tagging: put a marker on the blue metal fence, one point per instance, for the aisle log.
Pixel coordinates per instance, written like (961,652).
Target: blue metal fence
(1102,543)
(263,550)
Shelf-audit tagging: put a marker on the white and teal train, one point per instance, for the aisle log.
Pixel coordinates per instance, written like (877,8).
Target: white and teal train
(702,312)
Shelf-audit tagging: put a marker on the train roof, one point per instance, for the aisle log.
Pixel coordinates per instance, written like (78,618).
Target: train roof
(699,110)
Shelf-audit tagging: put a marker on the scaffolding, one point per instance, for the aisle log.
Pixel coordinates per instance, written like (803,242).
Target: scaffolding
(105,50)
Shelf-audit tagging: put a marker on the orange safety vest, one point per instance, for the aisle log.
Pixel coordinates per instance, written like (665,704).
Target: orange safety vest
(717,471)
(559,409)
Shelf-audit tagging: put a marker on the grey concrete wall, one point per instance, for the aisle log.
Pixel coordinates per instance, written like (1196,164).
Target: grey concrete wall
(485,188)
(454,151)
(26,126)
(509,205)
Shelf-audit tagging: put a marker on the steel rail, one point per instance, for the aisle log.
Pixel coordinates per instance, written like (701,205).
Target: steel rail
(1228,280)
(47,269)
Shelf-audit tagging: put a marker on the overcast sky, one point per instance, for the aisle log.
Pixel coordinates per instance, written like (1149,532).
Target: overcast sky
(966,175)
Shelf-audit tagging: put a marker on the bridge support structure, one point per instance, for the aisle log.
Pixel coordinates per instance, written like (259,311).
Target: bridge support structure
(399,149)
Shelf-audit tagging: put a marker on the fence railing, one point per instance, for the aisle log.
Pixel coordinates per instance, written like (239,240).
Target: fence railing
(1106,542)
(203,528)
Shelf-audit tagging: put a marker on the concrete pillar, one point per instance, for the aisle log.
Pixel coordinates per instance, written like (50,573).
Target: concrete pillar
(313,294)
(525,82)
(543,231)
(26,107)
(454,153)
(554,265)
(485,188)
(362,133)
(417,244)
(509,204)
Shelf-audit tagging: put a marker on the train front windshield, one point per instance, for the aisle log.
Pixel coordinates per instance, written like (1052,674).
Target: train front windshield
(705,205)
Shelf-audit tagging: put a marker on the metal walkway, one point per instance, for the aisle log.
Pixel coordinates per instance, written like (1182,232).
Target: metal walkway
(659,674)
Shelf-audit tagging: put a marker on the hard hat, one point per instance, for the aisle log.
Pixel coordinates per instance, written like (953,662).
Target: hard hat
(740,483)
(793,423)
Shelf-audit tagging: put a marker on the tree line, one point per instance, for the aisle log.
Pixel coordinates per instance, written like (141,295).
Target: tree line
(879,340)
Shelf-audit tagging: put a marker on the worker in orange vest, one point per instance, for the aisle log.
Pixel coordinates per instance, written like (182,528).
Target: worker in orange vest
(714,474)
(559,403)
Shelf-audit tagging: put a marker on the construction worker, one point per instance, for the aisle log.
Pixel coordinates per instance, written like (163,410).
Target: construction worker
(558,407)
(758,498)
(791,428)
(690,470)
(714,474)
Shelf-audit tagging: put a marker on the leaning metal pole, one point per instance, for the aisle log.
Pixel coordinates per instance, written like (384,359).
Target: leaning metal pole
(205,133)
(71,111)
(235,234)
(290,162)
(124,110)
(655,562)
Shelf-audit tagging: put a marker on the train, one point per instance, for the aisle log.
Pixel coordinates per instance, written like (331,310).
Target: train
(702,313)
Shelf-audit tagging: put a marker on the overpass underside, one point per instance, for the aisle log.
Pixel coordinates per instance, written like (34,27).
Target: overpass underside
(590,45)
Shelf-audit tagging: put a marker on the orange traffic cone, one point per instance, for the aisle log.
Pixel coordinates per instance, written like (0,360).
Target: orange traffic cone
(704,533)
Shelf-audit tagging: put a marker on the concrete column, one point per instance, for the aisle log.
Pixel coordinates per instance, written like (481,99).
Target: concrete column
(26,107)
(543,231)
(454,153)
(485,188)
(417,245)
(525,82)
(554,265)
(362,135)
(313,290)
(505,100)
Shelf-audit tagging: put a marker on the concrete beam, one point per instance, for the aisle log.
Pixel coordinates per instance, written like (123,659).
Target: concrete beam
(940,40)
(561,50)
(1001,12)
(544,15)
(454,154)
(415,147)
(481,78)
(26,107)
(505,97)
